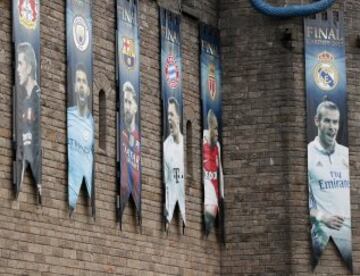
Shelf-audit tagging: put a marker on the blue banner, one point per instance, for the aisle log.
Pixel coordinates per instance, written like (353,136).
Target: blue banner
(80,122)
(128,115)
(327,136)
(213,179)
(172,99)
(27,93)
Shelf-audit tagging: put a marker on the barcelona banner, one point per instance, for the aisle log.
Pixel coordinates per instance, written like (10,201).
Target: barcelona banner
(213,180)
(327,136)
(80,122)
(128,115)
(27,93)
(172,99)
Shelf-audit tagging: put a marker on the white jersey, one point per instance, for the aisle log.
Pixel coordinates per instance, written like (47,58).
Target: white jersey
(174,176)
(329,183)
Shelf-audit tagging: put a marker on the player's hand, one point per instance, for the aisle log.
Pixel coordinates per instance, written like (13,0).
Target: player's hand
(333,222)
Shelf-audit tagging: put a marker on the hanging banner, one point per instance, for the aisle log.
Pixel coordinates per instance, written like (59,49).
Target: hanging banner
(173,140)
(328,154)
(80,122)
(211,112)
(128,115)
(27,93)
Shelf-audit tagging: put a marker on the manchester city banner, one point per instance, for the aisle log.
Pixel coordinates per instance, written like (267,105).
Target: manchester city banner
(173,140)
(26,98)
(211,112)
(128,117)
(80,122)
(328,154)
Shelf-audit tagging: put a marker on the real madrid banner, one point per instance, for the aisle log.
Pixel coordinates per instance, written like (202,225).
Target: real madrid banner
(328,154)
(129,136)
(173,140)
(27,131)
(211,112)
(80,122)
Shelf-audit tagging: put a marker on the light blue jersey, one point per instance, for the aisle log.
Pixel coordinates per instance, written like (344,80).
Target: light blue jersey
(80,153)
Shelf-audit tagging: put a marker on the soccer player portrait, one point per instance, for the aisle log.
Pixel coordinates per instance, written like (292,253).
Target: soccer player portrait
(130,145)
(28,116)
(80,138)
(329,184)
(212,171)
(174,162)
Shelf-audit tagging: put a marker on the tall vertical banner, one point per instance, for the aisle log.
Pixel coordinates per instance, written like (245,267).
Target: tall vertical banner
(213,181)
(27,93)
(80,122)
(172,99)
(327,137)
(128,116)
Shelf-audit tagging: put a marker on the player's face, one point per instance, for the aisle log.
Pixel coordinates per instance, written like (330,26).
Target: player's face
(328,126)
(214,133)
(173,119)
(82,89)
(23,69)
(130,108)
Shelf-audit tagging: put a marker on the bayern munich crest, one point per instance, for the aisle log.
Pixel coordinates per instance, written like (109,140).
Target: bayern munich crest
(28,13)
(128,51)
(212,81)
(81,33)
(172,72)
(325,73)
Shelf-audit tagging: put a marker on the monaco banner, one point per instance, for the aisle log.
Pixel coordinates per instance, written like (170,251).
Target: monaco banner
(327,136)
(80,122)
(27,93)
(172,99)
(128,115)
(213,180)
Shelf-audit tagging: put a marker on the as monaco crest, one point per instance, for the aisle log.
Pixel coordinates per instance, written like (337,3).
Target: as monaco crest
(325,73)
(172,72)
(212,81)
(28,13)
(128,51)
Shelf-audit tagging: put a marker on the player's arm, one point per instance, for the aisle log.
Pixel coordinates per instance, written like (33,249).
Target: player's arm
(221,174)
(332,221)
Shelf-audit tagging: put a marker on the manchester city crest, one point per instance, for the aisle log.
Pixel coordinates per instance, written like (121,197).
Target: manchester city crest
(80,33)
(172,72)
(212,81)
(128,52)
(28,13)
(325,73)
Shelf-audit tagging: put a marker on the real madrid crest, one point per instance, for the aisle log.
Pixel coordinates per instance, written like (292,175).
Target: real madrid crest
(212,81)
(28,13)
(172,72)
(325,73)
(128,52)
(80,33)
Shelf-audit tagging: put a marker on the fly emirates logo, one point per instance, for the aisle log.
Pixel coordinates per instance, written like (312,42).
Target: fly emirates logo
(336,181)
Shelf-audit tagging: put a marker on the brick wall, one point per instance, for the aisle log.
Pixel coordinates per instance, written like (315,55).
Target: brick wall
(45,241)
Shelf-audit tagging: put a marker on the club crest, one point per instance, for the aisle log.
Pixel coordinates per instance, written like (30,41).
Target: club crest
(28,13)
(212,81)
(128,51)
(325,73)
(172,72)
(81,33)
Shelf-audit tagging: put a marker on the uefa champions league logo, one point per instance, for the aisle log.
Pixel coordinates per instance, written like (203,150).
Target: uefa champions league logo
(80,33)
(325,73)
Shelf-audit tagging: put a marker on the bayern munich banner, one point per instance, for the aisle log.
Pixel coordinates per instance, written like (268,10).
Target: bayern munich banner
(80,122)
(173,140)
(328,154)
(128,116)
(27,93)
(211,112)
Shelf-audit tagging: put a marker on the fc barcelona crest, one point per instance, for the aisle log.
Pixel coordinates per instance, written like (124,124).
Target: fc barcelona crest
(212,81)
(325,74)
(172,72)
(28,13)
(128,51)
